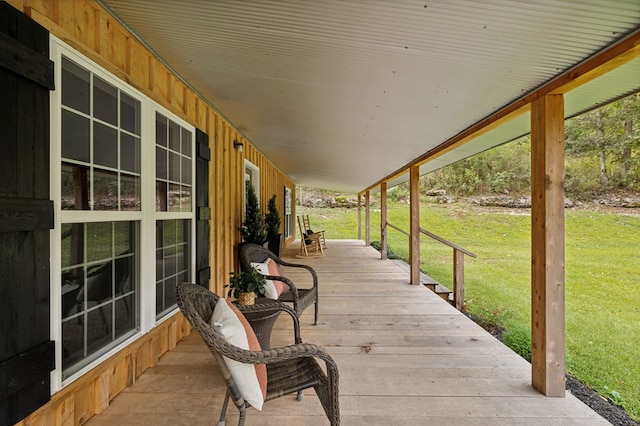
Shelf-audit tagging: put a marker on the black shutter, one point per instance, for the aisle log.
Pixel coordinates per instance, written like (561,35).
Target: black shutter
(203,212)
(26,216)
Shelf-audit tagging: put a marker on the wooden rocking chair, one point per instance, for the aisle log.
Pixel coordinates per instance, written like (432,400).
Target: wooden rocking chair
(307,227)
(310,243)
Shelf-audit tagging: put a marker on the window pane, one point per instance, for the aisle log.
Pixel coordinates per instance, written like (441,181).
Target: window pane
(174,136)
(159,265)
(174,198)
(105,101)
(129,192)
(129,153)
(161,196)
(161,130)
(105,145)
(129,114)
(75,86)
(169,237)
(159,297)
(169,261)
(99,297)
(105,190)
(99,284)
(75,136)
(72,244)
(172,261)
(185,199)
(72,341)
(124,238)
(174,167)
(72,283)
(75,187)
(101,238)
(186,170)
(159,233)
(125,315)
(161,163)
(186,142)
(99,326)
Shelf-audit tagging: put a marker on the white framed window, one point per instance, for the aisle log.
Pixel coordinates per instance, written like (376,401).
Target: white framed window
(122,182)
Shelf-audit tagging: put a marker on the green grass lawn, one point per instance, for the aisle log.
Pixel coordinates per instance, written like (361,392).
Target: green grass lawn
(602,267)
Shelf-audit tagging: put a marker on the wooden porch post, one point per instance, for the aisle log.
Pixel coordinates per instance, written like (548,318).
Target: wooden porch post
(414,227)
(367,210)
(383,220)
(359,217)
(547,246)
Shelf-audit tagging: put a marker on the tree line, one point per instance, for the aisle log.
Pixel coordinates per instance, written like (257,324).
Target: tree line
(602,155)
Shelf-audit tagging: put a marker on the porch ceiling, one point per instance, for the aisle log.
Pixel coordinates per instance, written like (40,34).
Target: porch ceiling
(341,94)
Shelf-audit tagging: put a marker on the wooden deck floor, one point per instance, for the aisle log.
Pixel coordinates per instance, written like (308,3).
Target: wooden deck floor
(405,357)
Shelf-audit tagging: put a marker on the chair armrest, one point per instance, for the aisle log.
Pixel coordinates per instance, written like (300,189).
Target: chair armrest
(312,271)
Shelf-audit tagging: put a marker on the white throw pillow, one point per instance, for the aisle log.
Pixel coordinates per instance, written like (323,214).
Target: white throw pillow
(251,379)
(269,288)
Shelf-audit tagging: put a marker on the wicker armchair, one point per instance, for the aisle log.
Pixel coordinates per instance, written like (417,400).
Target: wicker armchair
(290,369)
(301,298)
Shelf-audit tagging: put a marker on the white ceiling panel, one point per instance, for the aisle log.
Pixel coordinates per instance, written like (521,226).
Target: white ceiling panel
(340,94)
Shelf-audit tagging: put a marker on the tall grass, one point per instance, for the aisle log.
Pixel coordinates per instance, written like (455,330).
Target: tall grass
(602,278)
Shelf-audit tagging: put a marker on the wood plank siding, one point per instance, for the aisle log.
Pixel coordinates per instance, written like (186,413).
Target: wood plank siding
(89,29)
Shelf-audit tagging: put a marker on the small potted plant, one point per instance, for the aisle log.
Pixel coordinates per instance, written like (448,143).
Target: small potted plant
(244,286)
(272,223)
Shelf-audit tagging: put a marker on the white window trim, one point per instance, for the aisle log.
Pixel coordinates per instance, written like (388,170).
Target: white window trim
(146,217)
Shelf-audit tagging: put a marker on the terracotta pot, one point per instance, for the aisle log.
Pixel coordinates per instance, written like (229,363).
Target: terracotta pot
(247,298)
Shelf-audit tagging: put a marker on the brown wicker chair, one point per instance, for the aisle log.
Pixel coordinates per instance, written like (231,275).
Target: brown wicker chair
(290,368)
(301,298)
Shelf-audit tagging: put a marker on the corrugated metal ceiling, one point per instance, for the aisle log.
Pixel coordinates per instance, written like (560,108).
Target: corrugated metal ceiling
(339,94)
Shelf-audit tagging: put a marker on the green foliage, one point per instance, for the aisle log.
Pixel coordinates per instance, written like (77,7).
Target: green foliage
(246,282)
(253,229)
(272,218)
(602,154)
(399,193)
(390,253)
(505,169)
(518,338)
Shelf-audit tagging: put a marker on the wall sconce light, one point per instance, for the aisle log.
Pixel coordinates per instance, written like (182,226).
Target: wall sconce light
(238,145)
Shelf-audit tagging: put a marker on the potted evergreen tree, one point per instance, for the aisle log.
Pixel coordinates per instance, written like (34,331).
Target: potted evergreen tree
(253,229)
(272,223)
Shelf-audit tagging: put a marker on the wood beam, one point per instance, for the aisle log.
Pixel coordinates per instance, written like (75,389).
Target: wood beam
(359,216)
(547,246)
(414,226)
(595,66)
(383,220)
(367,210)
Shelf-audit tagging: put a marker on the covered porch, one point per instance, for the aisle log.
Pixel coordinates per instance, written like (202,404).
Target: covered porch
(405,356)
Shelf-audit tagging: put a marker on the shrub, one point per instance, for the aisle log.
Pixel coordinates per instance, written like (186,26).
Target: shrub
(518,338)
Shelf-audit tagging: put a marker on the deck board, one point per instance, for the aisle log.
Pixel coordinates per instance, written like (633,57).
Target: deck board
(405,357)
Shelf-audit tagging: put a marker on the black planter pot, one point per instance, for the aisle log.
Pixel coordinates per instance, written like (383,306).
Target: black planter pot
(275,244)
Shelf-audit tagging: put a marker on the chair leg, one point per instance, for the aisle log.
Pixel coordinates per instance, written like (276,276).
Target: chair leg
(315,317)
(243,413)
(223,414)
